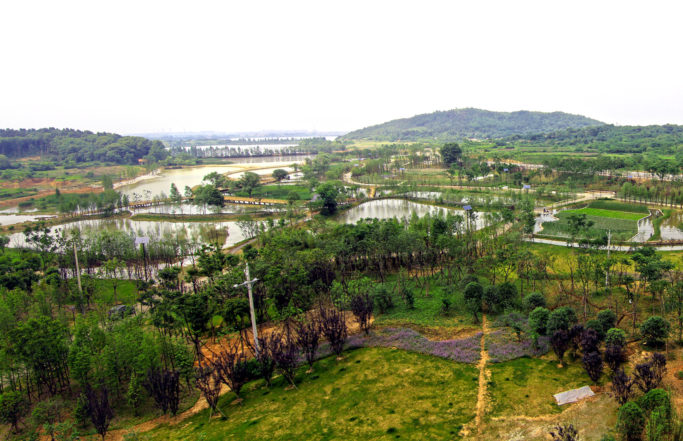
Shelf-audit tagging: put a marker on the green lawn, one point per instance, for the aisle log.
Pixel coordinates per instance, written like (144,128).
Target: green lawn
(371,393)
(598,212)
(604,204)
(622,229)
(526,386)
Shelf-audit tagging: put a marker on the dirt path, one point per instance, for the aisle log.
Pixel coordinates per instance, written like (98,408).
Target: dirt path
(474,429)
(484,375)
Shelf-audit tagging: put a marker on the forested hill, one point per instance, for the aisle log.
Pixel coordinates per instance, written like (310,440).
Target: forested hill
(666,139)
(61,145)
(470,123)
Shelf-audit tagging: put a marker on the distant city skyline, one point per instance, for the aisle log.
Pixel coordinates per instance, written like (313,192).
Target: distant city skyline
(236,67)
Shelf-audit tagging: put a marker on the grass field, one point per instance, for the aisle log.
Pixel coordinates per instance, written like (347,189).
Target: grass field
(619,206)
(613,214)
(526,386)
(371,393)
(622,229)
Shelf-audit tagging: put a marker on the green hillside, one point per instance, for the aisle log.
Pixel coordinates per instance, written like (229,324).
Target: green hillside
(470,123)
(665,139)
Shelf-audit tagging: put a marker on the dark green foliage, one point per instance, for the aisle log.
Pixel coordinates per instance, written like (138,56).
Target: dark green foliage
(596,326)
(362,306)
(78,146)
(654,399)
(615,336)
(470,123)
(533,300)
(81,411)
(450,153)
(610,138)
(655,330)
(607,319)
(507,295)
(561,318)
(13,406)
(208,195)
(328,194)
(41,343)
(630,421)
(383,299)
(538,320)
(473,297)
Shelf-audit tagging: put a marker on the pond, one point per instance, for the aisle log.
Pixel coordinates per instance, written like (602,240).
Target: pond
(190,209)
(152,229)
(147,187)
(12,219)
(399,209)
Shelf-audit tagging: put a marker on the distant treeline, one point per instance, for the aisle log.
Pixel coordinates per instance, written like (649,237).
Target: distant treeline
(470,123)
(666,139)
(68,145)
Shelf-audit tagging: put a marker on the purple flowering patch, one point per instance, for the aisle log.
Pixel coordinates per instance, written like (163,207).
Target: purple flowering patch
(465,350)
(502,346)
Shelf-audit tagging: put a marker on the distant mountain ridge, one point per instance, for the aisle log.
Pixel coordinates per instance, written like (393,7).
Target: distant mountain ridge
(471,123)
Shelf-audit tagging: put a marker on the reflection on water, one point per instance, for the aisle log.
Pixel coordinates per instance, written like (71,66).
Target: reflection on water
(190,209)
(669,227)
(545,217)
(13,219)
(145,228)
(645,230)
(399,209)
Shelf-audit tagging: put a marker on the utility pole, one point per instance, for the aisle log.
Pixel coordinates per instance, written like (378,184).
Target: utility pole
(78,277)
(248,283)
(609,243)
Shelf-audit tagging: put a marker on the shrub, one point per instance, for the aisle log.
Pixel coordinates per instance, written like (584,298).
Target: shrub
(589,341)
(333,327)
(655,330)
(473,297)
(534,300)
(507,294)
(614,356)
(616,337)
(383,299)
(362,307)
(630,421)
(561,318)
(308,337)
(492,298)
(596,326)
(564,432)
(592,362)
(654,399)
(446,304)
(538,320)
(13,407)
(622,386)
(649,375)
(560,343)
(608,319)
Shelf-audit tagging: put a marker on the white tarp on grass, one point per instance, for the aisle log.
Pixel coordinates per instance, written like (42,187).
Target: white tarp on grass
(574,395)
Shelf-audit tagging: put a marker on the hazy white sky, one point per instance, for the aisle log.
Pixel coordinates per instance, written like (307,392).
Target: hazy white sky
(141,66)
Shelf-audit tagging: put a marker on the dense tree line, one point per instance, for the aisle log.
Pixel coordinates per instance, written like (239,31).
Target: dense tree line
(62,145)
(665,139)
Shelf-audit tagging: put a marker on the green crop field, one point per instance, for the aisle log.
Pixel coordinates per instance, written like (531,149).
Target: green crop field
(619,206)
(613,214)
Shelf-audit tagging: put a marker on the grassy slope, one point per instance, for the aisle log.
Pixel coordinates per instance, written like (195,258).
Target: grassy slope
(371,394)
(525,386)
